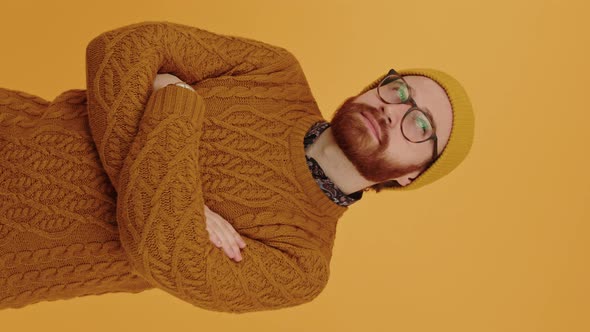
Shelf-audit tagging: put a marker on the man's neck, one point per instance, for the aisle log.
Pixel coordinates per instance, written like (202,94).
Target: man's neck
(334,163)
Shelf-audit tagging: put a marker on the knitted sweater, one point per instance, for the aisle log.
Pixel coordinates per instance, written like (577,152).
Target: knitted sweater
(103,190)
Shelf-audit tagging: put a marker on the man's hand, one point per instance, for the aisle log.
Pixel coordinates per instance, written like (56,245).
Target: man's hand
(222,234)
(163,80)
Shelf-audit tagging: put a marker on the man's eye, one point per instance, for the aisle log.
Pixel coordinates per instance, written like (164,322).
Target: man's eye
(403,93)
(421,124)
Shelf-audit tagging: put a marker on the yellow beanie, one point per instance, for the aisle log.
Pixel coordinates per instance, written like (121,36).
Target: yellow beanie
(461,137)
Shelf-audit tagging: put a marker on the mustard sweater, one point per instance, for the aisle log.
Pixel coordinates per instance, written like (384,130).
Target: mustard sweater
(103,190)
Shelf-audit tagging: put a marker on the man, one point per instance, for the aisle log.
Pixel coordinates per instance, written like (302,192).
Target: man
(245,140)
(348,155)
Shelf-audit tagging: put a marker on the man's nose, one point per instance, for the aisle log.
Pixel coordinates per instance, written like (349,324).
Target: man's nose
(393,113)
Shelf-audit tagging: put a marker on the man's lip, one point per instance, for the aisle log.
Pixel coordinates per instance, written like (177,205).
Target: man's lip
(375,125)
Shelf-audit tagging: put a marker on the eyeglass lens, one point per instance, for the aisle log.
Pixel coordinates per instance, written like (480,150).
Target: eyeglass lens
(415,126)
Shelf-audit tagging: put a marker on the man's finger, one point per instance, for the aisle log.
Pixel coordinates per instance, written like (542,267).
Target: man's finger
(230,238)
(215,239)
(231,235)
(226,238)
(239,241)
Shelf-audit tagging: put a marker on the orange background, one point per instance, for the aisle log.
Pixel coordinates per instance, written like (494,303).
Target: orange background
(500,244)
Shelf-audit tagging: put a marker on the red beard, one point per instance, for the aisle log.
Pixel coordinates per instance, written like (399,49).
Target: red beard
(360,146)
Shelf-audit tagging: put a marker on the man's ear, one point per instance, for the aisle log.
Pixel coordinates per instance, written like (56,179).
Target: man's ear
(406,179)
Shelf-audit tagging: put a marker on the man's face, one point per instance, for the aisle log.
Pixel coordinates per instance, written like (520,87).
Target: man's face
(392,156)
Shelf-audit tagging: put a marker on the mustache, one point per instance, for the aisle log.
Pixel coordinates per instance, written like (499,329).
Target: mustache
(354,107)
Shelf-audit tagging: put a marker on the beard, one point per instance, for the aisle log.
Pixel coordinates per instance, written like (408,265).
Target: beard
(359,145)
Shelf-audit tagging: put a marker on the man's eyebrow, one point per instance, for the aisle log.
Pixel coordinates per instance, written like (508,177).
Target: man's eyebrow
(425,109)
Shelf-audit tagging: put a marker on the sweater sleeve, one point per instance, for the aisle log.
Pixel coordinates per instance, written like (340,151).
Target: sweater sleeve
(160,214)
(122,64)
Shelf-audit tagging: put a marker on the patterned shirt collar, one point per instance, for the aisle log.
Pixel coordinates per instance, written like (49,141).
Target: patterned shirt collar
(327,186)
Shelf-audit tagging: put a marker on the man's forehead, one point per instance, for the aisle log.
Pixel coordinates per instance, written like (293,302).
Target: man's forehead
(429,93)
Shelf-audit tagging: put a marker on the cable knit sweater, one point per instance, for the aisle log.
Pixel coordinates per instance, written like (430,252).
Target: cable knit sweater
(103,190)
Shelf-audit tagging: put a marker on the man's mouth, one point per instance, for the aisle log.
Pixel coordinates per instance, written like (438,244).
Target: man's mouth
(372,125)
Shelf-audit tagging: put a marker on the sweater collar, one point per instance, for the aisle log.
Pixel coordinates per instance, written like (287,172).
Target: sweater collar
(314,190)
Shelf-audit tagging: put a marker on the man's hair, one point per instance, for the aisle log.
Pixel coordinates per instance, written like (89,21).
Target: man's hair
(377,187)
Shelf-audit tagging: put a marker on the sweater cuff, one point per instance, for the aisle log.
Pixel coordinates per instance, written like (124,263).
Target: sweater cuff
(173,100)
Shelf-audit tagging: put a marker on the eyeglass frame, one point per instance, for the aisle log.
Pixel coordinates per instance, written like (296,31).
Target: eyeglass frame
(414,106)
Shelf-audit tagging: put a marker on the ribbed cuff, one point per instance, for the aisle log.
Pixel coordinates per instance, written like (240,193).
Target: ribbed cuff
(175,100)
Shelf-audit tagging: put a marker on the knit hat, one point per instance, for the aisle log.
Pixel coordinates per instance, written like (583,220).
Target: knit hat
(461,137)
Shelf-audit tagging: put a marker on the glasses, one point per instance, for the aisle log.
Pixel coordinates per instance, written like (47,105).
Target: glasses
(417,124)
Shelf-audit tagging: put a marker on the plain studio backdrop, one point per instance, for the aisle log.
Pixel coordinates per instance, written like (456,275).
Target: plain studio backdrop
(500,244)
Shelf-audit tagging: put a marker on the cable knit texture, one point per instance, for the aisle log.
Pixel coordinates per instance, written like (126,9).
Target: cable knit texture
(103,190)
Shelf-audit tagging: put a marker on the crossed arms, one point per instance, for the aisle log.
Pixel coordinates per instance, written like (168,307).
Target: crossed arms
(148,144)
